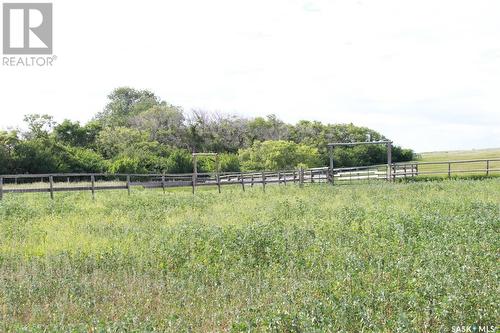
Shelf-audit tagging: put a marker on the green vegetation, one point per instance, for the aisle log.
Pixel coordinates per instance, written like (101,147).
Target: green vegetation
(278,155)
(137,132)
(459,155)
(376,257)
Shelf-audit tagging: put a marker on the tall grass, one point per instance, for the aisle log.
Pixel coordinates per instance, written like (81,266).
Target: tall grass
(375,257)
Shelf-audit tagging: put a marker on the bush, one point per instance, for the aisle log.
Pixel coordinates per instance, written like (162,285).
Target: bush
(228,163)
(5,160)
(179,161)
(278,155)
(402,155)
(86,160)
(41,155)
(363,155)
(127,164)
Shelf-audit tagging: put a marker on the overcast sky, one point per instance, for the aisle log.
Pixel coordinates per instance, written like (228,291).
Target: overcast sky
(425,73)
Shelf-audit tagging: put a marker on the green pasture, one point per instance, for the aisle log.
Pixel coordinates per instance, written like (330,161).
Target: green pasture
(376,257)
(460,169)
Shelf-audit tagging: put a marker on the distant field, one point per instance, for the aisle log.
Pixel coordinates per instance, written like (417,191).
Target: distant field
(381,257)
(475,168)
(460,155)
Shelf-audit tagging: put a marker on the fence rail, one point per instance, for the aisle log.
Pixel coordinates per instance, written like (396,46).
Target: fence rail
(449,168)
(62,182)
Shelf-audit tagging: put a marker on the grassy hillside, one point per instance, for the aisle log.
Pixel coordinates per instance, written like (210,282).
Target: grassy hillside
(376,257)
(475,168)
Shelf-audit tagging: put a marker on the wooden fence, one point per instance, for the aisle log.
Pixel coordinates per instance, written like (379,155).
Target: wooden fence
(448,169)
(63,182)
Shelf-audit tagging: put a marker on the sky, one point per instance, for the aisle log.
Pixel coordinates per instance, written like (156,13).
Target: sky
(424,73)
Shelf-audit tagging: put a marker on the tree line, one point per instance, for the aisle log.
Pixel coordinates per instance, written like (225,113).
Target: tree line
(139,132)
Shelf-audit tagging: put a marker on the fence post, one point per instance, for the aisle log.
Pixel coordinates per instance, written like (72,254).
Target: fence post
(195,170)
(217,176)
(1,188)
(92,181)
(312,176)
(128,184)
(193,182)
(487,168)
(284,178)
(163,181)
(301,177)
(51,181)
(449,170)
(252,181)
(242,182)
(389,160)
(264,181)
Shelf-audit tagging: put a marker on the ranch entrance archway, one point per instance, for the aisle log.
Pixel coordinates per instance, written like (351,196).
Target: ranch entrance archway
(331,147)
(195,167)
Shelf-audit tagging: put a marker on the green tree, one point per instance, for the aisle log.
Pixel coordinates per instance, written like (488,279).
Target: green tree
(228,163)
(138,131)
(85,160)
(164,123)
(278,155)
(179,161)
(73,134)
(39,125)
(269,128)
(125,103)
(40,155)
(126,164)
(8,141)
(112,142)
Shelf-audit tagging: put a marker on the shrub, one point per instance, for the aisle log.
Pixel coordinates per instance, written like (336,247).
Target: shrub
(86,160)
(278,155)
(179,161)
(127,164)
(228,163)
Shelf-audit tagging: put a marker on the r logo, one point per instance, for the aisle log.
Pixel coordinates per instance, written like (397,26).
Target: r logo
(27,28)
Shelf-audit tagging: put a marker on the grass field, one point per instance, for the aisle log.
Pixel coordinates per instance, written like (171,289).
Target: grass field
(378,257)
(455,155)
(473,168)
